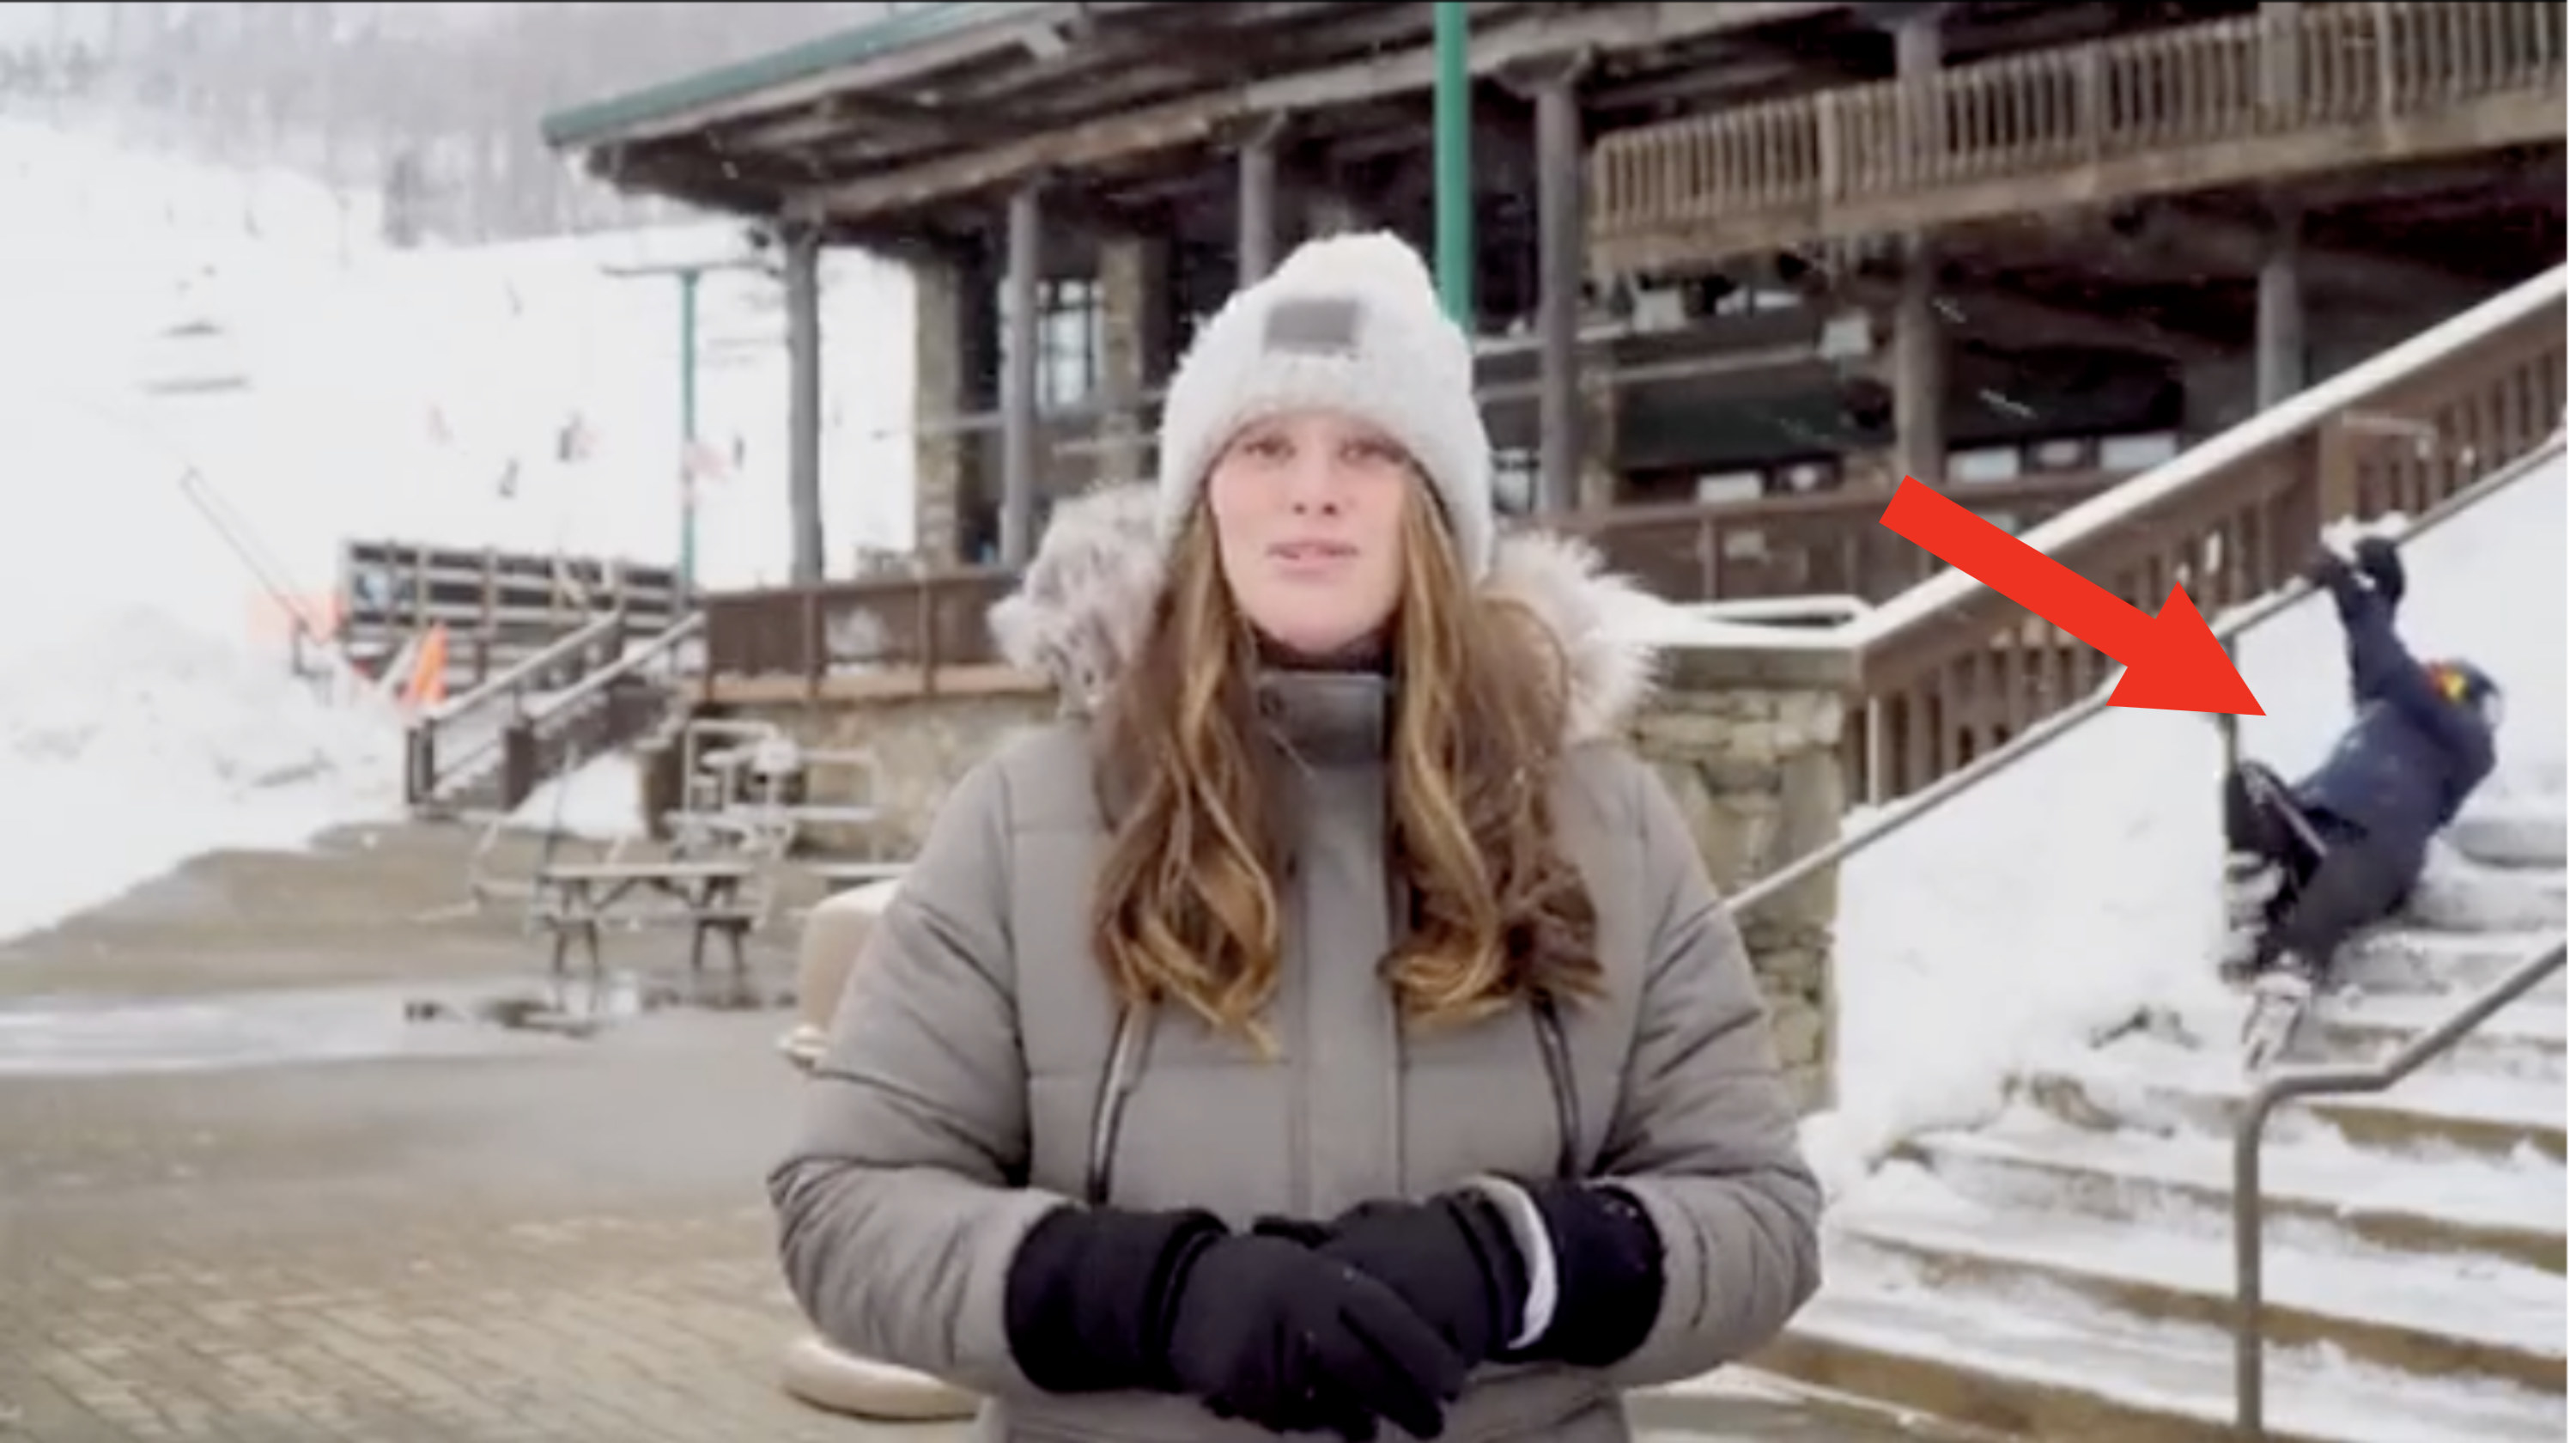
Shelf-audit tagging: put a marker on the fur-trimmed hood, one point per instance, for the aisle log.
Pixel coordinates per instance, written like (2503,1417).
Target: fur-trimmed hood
(1081,610)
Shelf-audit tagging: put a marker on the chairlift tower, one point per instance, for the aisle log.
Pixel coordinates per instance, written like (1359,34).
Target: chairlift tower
(689,273)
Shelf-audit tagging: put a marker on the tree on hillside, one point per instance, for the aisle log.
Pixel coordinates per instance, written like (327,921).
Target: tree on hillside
(437,105)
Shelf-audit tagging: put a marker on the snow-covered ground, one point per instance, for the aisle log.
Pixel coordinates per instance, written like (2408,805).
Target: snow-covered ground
(601,801)
(2081,884)
(168,318)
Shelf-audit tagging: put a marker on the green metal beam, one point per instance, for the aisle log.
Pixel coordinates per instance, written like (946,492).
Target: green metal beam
(1453,159)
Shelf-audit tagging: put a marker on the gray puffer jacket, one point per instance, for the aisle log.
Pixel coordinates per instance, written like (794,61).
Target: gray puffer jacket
(979,1074)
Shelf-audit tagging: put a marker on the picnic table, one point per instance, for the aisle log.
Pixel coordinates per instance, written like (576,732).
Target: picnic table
(574,898)
(840,876)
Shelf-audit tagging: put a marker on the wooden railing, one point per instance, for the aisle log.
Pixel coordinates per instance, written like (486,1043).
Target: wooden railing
(2226,102)
(498,607)
(1951,670)
(462,736)
(905,631)
(1826,543)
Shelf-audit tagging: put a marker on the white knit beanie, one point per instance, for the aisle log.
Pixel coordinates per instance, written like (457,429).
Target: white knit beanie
(1351,324)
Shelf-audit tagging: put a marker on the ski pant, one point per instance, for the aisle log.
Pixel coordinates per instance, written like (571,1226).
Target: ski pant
(2330,888)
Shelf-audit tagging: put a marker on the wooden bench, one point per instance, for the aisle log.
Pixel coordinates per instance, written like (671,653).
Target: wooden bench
(574,898)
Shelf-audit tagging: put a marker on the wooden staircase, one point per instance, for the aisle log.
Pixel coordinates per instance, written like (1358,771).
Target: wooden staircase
(589,693)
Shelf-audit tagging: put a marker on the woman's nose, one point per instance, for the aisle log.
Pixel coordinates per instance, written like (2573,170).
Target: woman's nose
(1312,487)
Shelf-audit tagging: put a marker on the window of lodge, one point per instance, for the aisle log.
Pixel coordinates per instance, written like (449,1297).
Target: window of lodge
(1071,337)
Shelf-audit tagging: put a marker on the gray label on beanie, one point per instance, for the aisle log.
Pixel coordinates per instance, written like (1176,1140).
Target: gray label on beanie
(1319,325)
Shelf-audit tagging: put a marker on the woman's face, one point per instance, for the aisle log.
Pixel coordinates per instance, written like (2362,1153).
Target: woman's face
(1309,515)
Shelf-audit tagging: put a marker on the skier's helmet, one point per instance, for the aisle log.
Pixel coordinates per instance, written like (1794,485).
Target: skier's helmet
(2465,684)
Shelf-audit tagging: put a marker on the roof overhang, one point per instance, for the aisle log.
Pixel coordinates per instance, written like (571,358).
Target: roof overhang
(956,101)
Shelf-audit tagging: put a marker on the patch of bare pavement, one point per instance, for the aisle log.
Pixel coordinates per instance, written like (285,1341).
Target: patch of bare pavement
(251,1200)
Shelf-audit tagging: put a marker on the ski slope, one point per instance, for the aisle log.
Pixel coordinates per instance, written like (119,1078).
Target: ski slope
(250,325)
(2081,884)
(169,318)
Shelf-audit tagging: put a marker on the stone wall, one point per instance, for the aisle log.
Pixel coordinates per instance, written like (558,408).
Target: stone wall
(1122,360)
(1750,744)
(1748,741)
(922,743)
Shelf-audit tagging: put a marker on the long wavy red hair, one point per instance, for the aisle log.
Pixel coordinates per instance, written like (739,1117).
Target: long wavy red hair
(1186,907)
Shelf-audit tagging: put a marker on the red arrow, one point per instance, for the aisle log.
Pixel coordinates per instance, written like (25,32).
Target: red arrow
(2174,661)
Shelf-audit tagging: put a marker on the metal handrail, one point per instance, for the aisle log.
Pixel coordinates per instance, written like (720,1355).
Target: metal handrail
(2290,1085)
(1902,814)
(509,678)
(634,659)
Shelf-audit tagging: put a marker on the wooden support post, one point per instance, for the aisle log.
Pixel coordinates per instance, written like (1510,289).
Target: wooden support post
(1560,244)
(1020,378)
(1256,192)
(805,407)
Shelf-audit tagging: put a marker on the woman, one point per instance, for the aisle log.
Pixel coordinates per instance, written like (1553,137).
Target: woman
(1329,1023)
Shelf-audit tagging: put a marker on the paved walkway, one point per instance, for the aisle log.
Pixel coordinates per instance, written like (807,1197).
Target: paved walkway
(421,1232)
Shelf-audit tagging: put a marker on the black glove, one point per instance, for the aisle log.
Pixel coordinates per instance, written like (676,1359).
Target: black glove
(1292,1340)
(1452,1258)
(1609,1273)
(2376,558)
(1455,1260)
(2325,568)
(1256,1328)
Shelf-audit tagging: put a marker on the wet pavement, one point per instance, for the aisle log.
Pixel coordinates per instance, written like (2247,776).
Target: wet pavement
(273,1169)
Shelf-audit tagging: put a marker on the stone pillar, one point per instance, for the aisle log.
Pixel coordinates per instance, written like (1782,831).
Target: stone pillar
(2280,318)
(1256,211)
(804,249)
(1560,293)
(1020,379)
(1919,376)
(939,389)
(1125,281)
(1750,745)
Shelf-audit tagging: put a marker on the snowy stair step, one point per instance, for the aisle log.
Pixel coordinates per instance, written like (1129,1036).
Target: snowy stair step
(2461,1203)
(2471,897)
(2141,1082)
(2038,1361)
(2452,1318)
(2533,837)
(2527,1039)
(2512,831)
(2420,960)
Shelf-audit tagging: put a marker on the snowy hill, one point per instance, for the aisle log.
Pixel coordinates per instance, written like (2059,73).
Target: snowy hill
(169,318)
(514,395)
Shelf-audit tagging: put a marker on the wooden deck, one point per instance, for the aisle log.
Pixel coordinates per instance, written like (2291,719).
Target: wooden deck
(2341,87)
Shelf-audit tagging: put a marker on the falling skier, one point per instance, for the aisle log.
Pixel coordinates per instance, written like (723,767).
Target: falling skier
(2312,864)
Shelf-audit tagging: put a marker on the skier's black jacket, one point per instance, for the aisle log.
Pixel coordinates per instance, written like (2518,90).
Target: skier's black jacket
(2410,755)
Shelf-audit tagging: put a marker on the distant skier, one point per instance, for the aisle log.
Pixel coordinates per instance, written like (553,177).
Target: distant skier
(2312,864)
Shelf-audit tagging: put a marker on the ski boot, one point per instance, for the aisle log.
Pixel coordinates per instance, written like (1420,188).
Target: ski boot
(2282,996)
(2251,883)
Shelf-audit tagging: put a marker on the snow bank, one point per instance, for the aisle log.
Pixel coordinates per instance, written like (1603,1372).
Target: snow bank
(602,802)
(131,741)
(138,728)
(2057,899)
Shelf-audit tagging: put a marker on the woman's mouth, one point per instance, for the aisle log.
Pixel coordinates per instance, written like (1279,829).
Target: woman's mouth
(1307,557)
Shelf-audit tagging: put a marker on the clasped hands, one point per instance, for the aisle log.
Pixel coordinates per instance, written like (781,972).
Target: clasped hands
(1378,1314)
